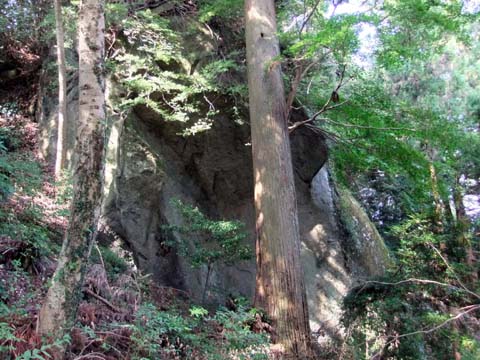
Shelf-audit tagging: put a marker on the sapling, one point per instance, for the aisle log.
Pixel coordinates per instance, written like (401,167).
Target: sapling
(207,242)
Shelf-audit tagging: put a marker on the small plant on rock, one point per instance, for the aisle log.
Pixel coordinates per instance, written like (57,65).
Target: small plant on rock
(206,242)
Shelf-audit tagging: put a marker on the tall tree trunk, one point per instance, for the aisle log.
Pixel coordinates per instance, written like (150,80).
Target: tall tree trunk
(62,90)
(280,288)
(58,312)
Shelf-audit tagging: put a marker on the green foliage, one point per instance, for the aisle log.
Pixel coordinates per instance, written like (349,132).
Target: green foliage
(377,126)
(337,34)
(22,220)
(8,341)
(414,23)
(151,325)
(15,292)
(30,230)
(198,311)
(469,348)
(377,314)
(7,336)
(240,339)
(223,9)
(28,225)
(158,333)
(17,171)
(23,21)
(114,264)
(115,14)
(18,174)
(415,253)
(9,108)
(155,73)
(206,242)
(383,310)
(390,148)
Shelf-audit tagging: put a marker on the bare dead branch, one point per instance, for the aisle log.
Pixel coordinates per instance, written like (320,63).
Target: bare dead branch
(327,134)
(453,272)
(317,114)
(102,299)
(300,73)
(305,22)
(96,355)
(293,91)
(109,289)
(416,281)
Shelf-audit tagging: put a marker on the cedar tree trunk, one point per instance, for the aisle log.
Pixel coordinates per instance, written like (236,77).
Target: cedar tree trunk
(280,288)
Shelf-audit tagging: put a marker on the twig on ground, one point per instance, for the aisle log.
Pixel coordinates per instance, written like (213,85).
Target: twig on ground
(90,356)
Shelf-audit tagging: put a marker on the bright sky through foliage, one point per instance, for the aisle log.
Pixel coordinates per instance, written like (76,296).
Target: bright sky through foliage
(367,33)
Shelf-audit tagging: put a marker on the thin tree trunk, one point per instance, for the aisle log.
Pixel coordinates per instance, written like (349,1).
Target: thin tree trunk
(280,288)
(62,91)
(59,309)
(463,227)
(207,280)
(439,210)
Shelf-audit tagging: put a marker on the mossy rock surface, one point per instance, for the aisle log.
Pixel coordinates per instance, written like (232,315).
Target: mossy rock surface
(365,242)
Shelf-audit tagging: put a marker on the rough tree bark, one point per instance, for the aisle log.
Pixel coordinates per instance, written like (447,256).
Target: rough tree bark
(59,309)
(280,288)
(62,90)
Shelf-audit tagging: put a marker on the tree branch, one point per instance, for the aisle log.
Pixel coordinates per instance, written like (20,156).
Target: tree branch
(317,114)
(305,22)
(300,73)
(417,281)
(367,127)
(470,308)
(453,272)
(293,91)
(325,107)
(102,299)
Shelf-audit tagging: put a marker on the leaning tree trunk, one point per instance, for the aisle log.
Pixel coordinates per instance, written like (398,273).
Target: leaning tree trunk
(280,288)
(58,311)
(62,90)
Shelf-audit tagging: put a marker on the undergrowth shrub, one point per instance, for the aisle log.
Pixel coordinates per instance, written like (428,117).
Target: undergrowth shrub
(114,264)
(12,345)
(207,242)
(224,335)
(24,232)
(418,297)
(17,171)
